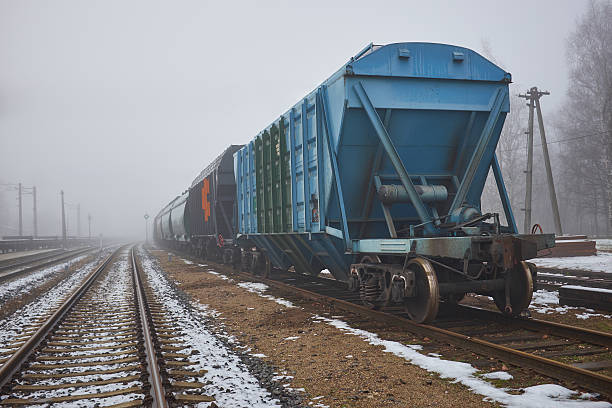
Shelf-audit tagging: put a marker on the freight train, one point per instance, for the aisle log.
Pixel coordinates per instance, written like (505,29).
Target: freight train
(377,177)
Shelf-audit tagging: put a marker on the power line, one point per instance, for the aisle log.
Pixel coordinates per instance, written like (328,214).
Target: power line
(558,141)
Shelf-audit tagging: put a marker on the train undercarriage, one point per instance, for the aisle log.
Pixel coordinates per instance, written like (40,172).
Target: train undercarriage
(419,283)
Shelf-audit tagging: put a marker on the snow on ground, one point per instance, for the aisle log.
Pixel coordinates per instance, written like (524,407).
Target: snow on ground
(603,244)
(114,291)
(222,276)
(12,325)
(545,395)
(498,375)
(602,262)
(542,396)
(547,302)
(228,379)
(30,281)
(260,288)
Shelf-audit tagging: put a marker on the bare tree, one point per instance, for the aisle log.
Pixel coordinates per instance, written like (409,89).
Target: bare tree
(585,120)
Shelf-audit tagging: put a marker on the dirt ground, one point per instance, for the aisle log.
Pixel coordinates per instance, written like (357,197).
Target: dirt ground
(342,370)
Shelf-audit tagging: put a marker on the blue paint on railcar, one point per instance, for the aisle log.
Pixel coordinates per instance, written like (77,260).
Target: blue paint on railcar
(408,115)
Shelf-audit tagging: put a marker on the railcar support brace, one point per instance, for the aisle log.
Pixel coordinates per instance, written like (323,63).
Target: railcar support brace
(387,143)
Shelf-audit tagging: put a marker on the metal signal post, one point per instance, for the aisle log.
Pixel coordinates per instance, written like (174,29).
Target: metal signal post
(146,217)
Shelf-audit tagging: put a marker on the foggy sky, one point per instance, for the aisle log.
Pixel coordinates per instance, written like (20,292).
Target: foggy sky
(122,103)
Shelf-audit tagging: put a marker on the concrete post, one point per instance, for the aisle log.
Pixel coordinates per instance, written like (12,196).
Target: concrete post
(20,210)
(549,176)
(529,171)
(64,243)
(35,219)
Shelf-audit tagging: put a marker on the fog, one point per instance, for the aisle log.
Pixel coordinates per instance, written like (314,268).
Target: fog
(122,103)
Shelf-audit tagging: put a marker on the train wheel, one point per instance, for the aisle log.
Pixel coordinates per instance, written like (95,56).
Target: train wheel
(423,306)
(521,291)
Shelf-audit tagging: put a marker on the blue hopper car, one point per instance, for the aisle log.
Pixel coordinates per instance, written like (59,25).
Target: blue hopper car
(377,176)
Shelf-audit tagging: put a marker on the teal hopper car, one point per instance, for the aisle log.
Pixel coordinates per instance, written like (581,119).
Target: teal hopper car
(377,176)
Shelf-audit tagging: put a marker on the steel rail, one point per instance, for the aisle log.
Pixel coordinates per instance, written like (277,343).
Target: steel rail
(155,379)
(12,365)
(54,259)
(587,379)
(553,328)
(14,262)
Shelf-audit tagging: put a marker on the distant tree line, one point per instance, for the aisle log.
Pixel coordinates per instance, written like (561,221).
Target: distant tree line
(581,149)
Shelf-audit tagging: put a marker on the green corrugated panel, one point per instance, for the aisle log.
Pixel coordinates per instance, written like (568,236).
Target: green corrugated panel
(273,180)
(285,179)
(259,181)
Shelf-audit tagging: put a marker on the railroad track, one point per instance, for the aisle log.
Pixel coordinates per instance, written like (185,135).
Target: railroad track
(544,347)
(109,343)
(553,279)
(16,269)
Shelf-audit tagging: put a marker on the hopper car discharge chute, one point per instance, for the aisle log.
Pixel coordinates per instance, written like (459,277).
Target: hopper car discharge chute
(377,176)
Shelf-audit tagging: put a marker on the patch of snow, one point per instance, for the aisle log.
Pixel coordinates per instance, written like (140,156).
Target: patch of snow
(12,325)
(498,375)
(259,355)
(30,281)
(603,244)
(227,378)
(222,276)
(543,396)
(282,377)
(294,338)
(187,261)
(110,293)
(547,302)
(602,262)
(260,288)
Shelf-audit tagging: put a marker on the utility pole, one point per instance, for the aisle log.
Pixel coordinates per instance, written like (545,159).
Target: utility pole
(529,171)
(63,221)
(34,208)
(20,211)
(78,220)
(89,226)
(533,96)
